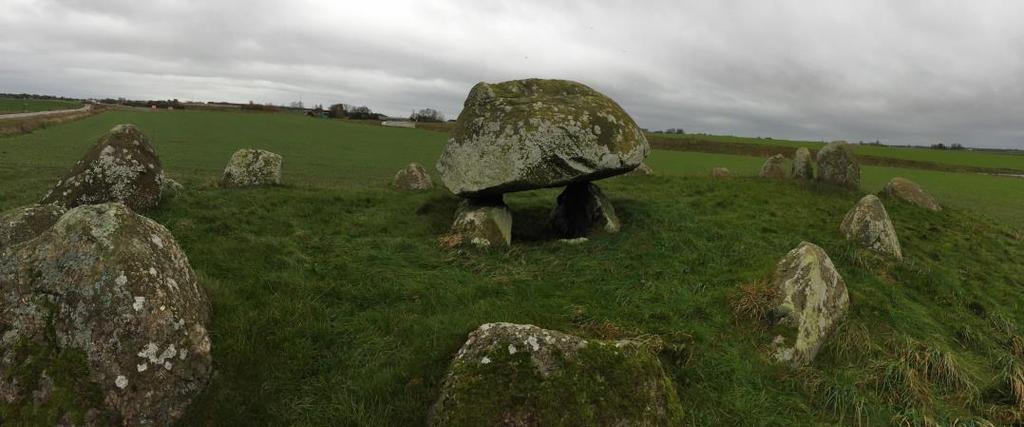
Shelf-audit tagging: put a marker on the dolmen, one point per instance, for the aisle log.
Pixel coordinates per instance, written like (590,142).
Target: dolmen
(530,134)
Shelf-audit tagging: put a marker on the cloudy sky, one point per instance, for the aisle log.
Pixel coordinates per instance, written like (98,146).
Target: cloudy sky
(899,71)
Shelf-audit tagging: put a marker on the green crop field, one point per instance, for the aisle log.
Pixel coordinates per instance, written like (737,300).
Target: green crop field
(334,304)
(19,105)
(985,159)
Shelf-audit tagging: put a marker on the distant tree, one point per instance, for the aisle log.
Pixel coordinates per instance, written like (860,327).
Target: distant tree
(427,115)
(296,105)
(939,146)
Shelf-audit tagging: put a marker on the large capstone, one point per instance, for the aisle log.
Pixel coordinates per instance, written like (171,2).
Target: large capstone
(121,167)
(108,295)
(774,167)
(810,297)
(521,375)
(868,224)
(583,209)
(528,134)
(837,165)
(802,168)
(483,222)
(908,191)
(25,223)
(249,167)
(413,177)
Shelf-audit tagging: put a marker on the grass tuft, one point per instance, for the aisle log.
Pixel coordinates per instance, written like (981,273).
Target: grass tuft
(754,301)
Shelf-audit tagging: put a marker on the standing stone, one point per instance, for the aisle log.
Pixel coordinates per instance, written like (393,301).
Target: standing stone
(802,168)
(774,167)
(413,177)
(105,294)
(810,297)
(582,209)
(250,167)
(121,167)
(171,188)
(838,165)
(642,170)
(529,134)
(868,224)
(27,222)
(720,173)
(483,222)
(908,191)
(521,375)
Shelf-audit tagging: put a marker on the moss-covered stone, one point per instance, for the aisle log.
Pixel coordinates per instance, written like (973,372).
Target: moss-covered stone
(868,224)
(521,375)
(171,188)
(720,172)
(248,168)
(774,167)
(122,167)
(413,177)
(583,209)
(810,298)
(27,222)
(527,134)
(837,165)
(114,287)
(483,222)
(802,168)
(908,191)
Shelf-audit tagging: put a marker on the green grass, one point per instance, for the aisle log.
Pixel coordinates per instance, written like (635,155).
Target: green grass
(986,159)
(333,303)
(19,105)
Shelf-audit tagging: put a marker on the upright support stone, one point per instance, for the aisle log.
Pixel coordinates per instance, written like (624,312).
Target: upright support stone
(582,209)
(802,168)
(483,222)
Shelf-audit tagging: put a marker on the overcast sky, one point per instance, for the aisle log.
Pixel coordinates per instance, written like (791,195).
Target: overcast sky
(898,71)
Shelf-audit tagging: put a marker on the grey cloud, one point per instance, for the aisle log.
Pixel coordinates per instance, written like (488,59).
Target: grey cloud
(904,72)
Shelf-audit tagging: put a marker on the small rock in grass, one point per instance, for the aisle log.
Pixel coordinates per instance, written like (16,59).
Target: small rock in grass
(720,172)
(521,375)
(641,170)
(908,191)
(810,298)
(171,188)
(249,167)
(122,167)
(482,222)
(413,177)
(868,224)
(774,167)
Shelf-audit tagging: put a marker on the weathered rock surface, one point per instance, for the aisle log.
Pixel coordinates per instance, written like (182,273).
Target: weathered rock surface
(521,375)
(583,209)
(483,222)
(413,177)
(868,224)
(171,188)
(810,297)
(642,170)
(102,318)
(720,173)
(802,168)
(122,167)
(528,134)
(249,167)
(908,191)
(25,223)
(838,165)
(774,167)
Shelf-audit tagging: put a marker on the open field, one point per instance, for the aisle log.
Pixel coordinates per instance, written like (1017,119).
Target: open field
(19,105)
(333,303)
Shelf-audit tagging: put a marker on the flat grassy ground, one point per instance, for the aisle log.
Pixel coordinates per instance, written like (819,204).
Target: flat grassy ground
(986,159)
(19,105)
(333,303)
